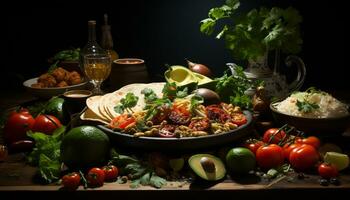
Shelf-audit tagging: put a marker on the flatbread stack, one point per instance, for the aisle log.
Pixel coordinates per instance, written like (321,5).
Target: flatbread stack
(101,108)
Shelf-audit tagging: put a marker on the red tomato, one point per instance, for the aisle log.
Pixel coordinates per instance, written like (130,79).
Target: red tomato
(239,119)
(180,115)
(303,157)
(199,124)
(253,145)
(270,156)
(288,147)
(122,121)
(273,136)
(17,125)
(327,170)
(71,181)
(46,124)
(312,140)
(111,172)
(95,177)
(167,130)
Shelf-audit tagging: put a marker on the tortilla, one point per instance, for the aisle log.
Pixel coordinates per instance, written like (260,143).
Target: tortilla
(89,115)
(101,108)
(136,89)
(93,104)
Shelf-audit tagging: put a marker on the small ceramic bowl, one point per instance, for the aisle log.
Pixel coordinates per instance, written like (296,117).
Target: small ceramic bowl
(75,100)
(312,126)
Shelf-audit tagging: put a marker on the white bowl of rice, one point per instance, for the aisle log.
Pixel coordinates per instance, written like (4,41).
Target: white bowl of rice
(314,112)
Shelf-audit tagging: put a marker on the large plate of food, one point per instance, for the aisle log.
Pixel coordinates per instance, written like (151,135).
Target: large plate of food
(55,82)
(164,116)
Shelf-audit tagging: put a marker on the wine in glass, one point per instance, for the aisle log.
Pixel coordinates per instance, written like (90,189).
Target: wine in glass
(97,68)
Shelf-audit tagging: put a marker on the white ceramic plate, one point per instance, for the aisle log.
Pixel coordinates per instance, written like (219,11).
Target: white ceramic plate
(50,92)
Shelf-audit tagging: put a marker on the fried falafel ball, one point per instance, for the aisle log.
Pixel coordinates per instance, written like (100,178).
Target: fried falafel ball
(60,74)
(47,80)
(38,85)
(62,84)
(74,78)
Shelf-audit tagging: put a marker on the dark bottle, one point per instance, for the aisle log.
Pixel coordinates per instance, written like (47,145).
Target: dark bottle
(107,40)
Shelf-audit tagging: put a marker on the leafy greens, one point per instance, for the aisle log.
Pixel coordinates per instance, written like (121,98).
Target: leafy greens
(250,35)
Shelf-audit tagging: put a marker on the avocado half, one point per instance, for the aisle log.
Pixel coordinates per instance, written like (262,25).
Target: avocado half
(207,166)
(184,77)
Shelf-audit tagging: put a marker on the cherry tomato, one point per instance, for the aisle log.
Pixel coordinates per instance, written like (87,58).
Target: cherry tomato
(167,130)
(199,124)
(95,177)
(273,136)
(270,156)
(122,121)
(71,181)
(253,145)
(46,124)
(327,170)
(111,172)
(312,140)
(180,115)
(17,125)
(217,114)
(303,157)
(288,147)
(239,119)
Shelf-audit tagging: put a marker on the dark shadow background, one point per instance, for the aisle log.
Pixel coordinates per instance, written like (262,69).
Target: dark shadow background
(162,32)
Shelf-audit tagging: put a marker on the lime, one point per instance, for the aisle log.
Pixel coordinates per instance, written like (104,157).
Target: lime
(329,147)
(340,160)
(55,107)
(177,164)
(240,160)
(84,146)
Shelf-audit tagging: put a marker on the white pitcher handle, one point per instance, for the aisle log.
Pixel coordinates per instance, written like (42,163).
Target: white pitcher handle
(232,67)
(298,82)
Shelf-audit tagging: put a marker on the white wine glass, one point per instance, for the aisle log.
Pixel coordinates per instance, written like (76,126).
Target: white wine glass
(97,68)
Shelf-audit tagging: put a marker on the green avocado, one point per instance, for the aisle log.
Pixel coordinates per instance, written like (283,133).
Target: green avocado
(184,77)
(207,166)
(55,107)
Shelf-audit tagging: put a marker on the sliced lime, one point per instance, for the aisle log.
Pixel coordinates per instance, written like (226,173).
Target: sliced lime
(340,160)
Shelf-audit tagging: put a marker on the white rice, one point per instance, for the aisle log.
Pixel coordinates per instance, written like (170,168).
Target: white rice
(329,107)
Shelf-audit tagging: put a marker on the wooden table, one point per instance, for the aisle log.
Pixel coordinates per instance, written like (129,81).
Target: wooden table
(16,180)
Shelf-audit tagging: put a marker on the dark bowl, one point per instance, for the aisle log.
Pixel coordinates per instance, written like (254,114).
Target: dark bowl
(312,126)
(180,144)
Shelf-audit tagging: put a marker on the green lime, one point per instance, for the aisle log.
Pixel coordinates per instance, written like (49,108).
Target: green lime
(240,160)
(177,164)
(84,146)
(329,147)
(55,107)
(340,160)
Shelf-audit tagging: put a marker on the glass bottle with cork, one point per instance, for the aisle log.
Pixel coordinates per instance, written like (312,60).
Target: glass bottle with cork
(107,40)
(94,60)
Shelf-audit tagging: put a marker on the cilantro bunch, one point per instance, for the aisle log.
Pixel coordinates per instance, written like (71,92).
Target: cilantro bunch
(250,35)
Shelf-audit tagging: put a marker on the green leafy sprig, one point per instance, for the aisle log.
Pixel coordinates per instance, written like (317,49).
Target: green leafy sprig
(127,103)
(250,35)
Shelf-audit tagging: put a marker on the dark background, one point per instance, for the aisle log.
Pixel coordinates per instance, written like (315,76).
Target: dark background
(162,32)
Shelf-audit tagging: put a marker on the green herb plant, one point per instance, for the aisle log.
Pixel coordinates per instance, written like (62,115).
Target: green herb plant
(249,35)
(140,173)
(231,88)
(46,154)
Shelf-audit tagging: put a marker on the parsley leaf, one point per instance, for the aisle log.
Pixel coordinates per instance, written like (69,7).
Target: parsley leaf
(150,95)
(127,103)
(305,106)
